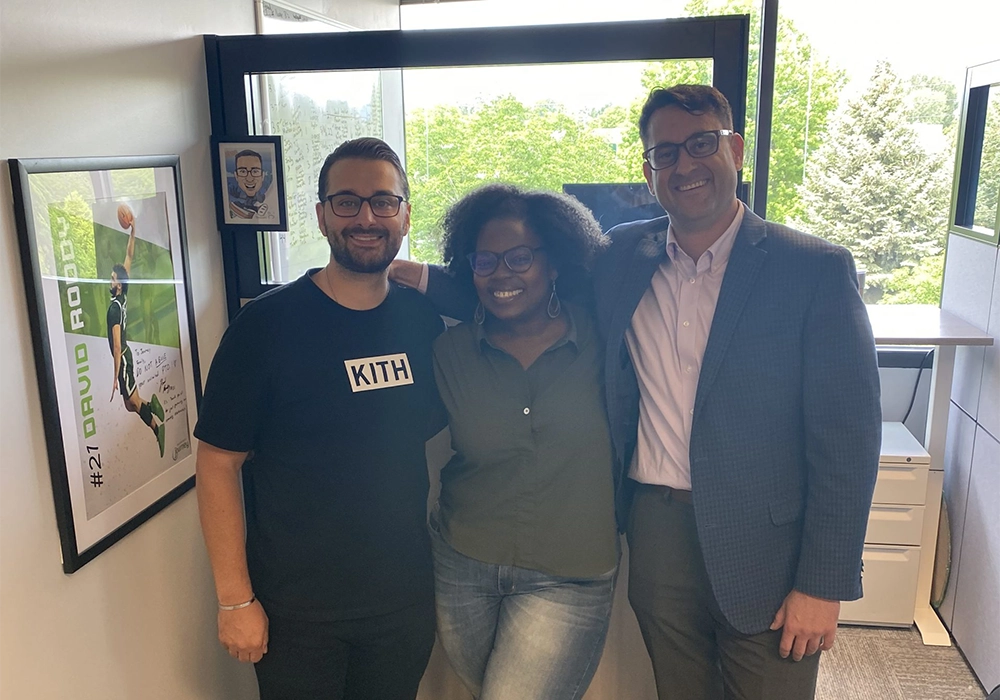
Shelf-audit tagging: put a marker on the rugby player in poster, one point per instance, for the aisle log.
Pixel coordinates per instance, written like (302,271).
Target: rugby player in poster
(150,412)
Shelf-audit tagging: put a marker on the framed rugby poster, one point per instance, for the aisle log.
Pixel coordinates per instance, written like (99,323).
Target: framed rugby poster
(104,254)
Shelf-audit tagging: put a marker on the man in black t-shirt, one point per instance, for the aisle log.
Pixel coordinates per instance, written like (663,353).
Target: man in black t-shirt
(322,396)
(150,412)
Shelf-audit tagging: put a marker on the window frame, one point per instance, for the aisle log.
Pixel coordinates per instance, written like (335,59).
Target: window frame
(975,103)
(231,61)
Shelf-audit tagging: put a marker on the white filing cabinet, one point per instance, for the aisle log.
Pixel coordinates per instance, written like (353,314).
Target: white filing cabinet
(892,542)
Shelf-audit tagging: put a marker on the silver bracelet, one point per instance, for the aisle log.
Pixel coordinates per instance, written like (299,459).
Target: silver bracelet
(238,606)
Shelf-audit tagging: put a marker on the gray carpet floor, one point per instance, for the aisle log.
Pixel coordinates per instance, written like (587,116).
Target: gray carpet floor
(870,663)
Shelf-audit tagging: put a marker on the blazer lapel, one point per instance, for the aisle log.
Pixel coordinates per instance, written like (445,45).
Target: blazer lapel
(741,273)
(649,252)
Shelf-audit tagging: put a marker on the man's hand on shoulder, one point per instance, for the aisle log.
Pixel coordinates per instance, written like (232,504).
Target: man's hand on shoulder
(406,273)
(243,632)
(808,624)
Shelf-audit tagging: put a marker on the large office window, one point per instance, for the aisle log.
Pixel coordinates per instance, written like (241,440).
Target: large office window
(866,118)
(550,107)
(536,126)
(539,126)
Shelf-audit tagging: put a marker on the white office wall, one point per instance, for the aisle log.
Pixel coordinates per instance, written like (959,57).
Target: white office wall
(101,78)
(363,14)
(972,292)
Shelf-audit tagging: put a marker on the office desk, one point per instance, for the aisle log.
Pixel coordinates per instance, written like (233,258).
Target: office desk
(929,325)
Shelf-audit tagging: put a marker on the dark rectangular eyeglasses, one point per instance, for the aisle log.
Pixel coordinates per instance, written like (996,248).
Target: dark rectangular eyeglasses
(383,205)
(484,263)
(700,145)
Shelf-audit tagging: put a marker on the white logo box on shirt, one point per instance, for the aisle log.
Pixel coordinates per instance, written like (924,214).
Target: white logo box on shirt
(381,372)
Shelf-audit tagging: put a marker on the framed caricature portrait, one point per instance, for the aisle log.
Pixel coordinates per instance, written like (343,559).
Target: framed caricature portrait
(249,183)
(104,254)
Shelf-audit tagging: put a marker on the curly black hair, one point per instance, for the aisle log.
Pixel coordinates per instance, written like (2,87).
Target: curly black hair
(569,232)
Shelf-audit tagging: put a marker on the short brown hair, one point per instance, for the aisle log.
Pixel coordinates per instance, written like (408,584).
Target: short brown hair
(693,99)
(366,148)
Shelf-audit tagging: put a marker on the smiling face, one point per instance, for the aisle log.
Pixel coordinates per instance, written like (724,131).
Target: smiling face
(699,194)
(514,296)
(250,182)
(364,242)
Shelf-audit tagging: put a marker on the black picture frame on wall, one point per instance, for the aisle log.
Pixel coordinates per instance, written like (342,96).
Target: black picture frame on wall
(107,281)
(249,183)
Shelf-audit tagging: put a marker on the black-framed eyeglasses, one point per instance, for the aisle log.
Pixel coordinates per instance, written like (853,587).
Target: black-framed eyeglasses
(243,172)
(518,259)
(700,145)
(382,205)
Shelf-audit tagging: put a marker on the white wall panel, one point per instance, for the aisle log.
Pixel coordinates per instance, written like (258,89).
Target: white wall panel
(977,605)
(957,468)
(968,281)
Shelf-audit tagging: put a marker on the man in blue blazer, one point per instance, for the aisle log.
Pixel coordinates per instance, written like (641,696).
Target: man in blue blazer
(743,396)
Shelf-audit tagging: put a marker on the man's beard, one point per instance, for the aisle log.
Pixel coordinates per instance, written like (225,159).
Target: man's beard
(369,261)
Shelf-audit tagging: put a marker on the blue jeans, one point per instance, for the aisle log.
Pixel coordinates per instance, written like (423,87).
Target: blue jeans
(518,634)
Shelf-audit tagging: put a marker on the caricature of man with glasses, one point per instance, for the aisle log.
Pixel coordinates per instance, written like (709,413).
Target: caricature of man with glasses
(248,185)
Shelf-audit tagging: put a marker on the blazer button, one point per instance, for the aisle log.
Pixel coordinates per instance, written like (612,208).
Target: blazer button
(527,410)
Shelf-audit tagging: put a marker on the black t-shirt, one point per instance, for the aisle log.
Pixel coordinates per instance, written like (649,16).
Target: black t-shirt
(335,406)
(117,316)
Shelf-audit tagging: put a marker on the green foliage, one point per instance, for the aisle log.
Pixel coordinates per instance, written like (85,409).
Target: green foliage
(915,284)
(807,91)
(873,188)
(452,150)
(80,218)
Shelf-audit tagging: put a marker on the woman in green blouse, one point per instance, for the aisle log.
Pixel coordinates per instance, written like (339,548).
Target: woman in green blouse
(524,536)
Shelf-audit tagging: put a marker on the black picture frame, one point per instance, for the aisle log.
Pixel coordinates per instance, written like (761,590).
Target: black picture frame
(80,223)
(251,202)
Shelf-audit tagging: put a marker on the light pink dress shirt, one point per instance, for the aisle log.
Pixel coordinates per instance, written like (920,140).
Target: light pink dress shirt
(666,340)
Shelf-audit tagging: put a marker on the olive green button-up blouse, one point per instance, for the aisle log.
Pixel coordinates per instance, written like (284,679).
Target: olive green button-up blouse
(530,484)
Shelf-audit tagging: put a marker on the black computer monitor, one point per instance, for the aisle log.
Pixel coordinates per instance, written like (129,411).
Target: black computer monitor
(613,204)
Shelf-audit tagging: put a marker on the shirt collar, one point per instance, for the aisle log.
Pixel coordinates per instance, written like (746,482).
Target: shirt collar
(717,254)
(570,336)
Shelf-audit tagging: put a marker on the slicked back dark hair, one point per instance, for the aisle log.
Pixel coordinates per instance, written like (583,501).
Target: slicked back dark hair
(693,99)
(569,232)
(366,148)
(247,153)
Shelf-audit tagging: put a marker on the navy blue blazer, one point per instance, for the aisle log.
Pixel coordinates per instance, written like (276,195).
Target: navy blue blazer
(787,424)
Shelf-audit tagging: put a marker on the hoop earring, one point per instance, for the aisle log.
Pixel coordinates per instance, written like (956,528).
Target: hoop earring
(555,306)
(480,316)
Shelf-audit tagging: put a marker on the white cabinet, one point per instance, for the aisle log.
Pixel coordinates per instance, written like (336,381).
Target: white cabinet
(890,581)
(895,524)
(892,542)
